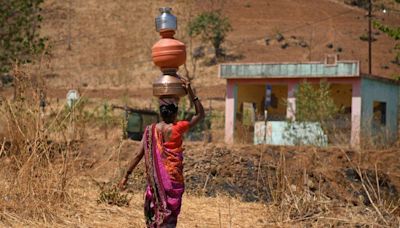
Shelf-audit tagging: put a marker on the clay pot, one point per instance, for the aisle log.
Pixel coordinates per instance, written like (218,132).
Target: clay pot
(168,86)
(169,53)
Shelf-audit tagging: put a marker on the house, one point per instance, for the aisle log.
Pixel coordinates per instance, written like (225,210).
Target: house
(367,100)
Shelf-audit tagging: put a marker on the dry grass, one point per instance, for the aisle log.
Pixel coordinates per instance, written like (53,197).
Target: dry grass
(47,191)
(196,212)
(297,208)
(35,170)
(46,182)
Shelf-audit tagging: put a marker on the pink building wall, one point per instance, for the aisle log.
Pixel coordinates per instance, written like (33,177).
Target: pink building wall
(230,111)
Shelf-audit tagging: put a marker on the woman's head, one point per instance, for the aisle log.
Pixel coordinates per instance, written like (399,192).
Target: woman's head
(169,109)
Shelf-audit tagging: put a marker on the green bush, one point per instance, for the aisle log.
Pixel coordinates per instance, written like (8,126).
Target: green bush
(315,108)
(315,104)
(19,34)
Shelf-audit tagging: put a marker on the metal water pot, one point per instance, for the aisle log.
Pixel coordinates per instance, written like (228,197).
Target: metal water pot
(168,85)
(166,21)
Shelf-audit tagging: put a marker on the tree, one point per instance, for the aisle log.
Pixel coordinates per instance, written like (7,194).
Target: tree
(393,32)
(211,27)
(19,38)
(315,105)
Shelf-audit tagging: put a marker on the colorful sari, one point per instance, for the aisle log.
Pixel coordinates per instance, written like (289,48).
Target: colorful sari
(165,186)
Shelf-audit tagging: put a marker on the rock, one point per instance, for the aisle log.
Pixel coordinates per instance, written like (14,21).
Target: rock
(385,67)
(310,184)
(279,37)
(303,44)
(267,40)
(352,175)
(6,79)
(339,49)
(214,171)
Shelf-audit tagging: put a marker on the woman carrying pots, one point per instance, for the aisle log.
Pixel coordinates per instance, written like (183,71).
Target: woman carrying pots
(162,148)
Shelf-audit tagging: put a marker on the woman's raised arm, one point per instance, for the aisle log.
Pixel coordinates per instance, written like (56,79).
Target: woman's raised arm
(197,105)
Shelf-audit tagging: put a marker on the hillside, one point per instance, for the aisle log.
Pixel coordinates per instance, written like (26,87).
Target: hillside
(110,41)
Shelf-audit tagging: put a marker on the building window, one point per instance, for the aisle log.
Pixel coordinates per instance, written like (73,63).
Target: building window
(379,117)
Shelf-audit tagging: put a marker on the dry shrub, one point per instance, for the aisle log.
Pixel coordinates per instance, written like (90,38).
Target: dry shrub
(297,200)
(243,133)
(111,195)
(35,169)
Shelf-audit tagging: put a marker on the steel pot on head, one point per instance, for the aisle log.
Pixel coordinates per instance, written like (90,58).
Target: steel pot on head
(166,21)
(168,86)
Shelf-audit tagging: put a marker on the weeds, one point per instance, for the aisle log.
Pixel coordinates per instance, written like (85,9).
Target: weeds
(299,204)
(35,169)
(113,196)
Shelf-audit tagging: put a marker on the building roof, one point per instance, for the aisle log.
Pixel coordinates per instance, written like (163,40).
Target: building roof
(290,70)
(340,69)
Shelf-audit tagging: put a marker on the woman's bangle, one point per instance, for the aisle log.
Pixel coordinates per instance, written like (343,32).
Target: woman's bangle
(195,99)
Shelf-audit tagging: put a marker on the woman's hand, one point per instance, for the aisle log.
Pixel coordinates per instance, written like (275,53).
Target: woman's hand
(196,102)
(185,84)
(122,183)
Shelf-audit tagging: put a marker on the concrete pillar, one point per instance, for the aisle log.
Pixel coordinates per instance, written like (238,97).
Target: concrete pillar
(398,114)
(355,114)
(230,111)
(291,101)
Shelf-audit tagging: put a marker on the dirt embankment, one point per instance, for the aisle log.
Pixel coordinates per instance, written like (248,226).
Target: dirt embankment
(263,173)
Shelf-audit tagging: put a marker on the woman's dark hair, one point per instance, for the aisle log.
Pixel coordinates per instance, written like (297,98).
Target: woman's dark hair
(168,112)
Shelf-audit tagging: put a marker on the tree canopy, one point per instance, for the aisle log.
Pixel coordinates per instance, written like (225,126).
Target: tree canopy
(20,40)
(211,27)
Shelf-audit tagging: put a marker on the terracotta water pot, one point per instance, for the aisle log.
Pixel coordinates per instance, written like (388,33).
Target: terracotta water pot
(169,53)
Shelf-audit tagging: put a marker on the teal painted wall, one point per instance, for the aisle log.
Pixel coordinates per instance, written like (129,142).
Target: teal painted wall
(377,90)
(283,133)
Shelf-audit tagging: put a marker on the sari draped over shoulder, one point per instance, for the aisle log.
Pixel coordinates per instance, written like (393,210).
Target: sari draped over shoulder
(165,184)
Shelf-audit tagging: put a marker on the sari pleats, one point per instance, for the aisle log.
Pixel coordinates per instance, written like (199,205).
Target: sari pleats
(163,196)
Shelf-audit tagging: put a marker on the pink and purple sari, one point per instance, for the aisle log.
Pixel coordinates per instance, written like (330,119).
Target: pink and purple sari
(163,196)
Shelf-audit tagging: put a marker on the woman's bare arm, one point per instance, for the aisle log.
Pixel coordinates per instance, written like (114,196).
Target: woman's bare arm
(132,165)
(197,105)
